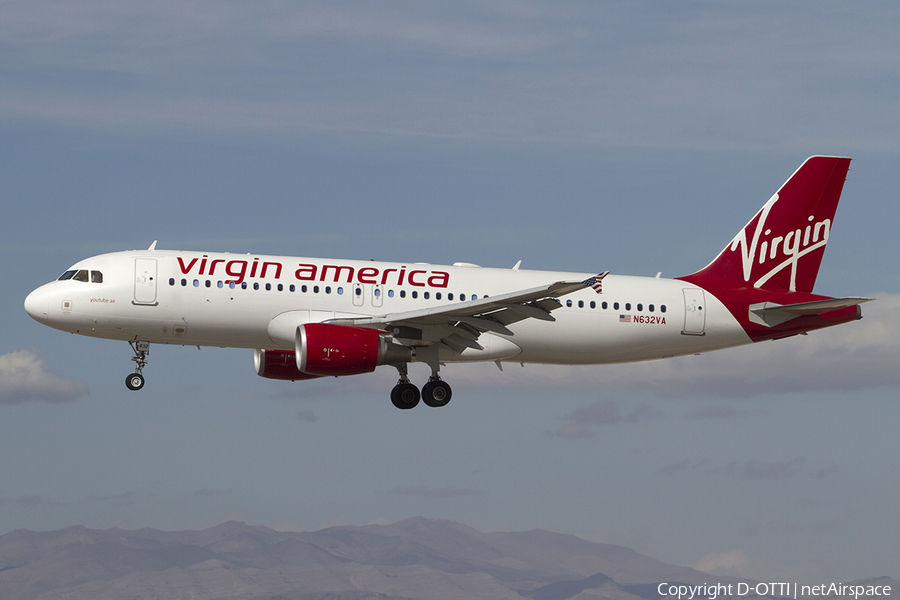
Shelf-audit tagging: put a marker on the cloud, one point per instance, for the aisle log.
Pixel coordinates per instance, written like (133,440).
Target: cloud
(762,469)
(308,416)
(730,562)
(425,491)
(751,470)
(23,379)
(583,422)
(703,79)
(208,492)
(21,502)
(681,466)
(123,499)
(738,563)
(715,411)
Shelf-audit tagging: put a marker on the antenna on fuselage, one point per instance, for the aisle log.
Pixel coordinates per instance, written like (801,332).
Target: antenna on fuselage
(153,245)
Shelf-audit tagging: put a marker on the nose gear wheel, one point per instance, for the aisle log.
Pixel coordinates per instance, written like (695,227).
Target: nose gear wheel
(141,349)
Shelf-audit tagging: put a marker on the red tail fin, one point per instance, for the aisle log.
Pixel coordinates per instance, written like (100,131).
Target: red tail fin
(781,247)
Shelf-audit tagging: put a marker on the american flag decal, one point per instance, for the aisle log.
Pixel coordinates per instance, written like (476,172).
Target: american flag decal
(624,318)
(596,281)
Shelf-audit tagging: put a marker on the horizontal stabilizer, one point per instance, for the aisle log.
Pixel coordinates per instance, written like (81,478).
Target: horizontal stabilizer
(771,314)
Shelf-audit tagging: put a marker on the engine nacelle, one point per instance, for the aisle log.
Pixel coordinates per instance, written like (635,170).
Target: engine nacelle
(323,349)
(278,364)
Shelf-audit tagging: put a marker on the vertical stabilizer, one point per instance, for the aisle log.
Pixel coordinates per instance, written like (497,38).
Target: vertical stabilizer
(781,247)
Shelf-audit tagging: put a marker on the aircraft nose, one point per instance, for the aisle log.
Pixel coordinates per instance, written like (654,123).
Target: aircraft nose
(37,304)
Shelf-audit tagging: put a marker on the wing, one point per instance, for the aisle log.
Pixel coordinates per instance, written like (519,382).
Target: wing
(459,325)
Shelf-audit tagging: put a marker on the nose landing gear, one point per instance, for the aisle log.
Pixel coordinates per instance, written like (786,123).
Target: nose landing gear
(135,381)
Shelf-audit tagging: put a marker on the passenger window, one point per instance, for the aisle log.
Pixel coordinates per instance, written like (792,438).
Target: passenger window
(662,308)
(196,283)
(231,284)
(615,306)
(415,294)
(327,289)
(425,295)
(569,303)
(593,304)
(651,308)
(171,281)
(403,293)
(256,285)
(81,275)
(340,291)
(268,287)
(96,277)
(390,293)
(628,306)
(303,288)
(462,297)
(604,306)
(208,283)
(315,289)
(292,288)
(280,288)
(581,304)
(244,285)
(640,307)
(437,295)
(450,296)
(377,292)
(184,283)
(220,285)
(474,297)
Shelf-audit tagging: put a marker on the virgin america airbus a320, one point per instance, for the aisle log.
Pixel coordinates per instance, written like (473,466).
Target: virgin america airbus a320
(310,317)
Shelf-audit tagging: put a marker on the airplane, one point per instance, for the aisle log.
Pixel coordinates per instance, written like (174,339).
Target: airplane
(306,318)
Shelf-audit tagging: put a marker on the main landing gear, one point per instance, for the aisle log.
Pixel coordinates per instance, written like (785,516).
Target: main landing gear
(135,381)
(405,395)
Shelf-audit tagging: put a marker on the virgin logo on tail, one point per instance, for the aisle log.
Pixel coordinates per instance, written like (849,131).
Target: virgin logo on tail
(788,249)
(794,224)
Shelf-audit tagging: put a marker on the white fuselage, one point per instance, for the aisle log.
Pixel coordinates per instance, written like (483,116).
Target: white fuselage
(255,301)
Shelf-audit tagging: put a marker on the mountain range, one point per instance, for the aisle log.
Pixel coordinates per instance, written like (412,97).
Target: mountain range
(421,559)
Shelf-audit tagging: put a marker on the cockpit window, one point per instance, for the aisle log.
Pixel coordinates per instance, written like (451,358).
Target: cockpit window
(82,275)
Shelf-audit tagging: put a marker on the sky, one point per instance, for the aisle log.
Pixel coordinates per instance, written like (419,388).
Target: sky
(635,137)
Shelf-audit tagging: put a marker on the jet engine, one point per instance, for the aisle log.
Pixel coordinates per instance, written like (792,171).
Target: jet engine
(325,350)
(278,364)
(334,350)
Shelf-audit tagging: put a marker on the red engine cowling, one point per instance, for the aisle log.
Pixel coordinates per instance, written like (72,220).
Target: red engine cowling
(325,350)
(278,364)
(334,350)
